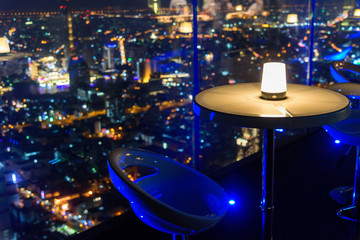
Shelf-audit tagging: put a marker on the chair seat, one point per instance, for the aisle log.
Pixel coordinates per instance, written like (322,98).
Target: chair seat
(351,90)
(348,130)
(173,198)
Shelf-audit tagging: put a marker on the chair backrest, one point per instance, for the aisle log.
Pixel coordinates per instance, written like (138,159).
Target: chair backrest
(348,130)
(337,67)
(350,90)
(172,191)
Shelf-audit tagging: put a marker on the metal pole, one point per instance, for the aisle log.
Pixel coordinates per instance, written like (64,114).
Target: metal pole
(356,195)
(267,200)
(179,237)
(356,192)
(309,74)
(196,124)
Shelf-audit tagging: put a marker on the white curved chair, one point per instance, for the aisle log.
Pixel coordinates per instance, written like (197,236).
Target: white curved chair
(173,198)
(348,131)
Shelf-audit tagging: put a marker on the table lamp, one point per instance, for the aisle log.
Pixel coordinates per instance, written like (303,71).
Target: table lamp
(273,83)
(239,8)
(292,18)
(357,12)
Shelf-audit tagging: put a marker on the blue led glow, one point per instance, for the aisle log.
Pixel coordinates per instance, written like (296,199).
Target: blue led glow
(212,114)
(338,78)
(111,46)
(13,177)
(352,35)
(337,141)
(196,109)
(339,56)
(279,130)
(232,202)
(213,199)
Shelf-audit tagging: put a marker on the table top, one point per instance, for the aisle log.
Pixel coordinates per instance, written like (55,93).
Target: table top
(348,89)
(241,105)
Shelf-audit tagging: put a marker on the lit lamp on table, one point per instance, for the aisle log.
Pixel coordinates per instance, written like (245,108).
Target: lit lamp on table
(239,8)
(273,83)
(357,12)
(185,27)
(292,18)
(283,106)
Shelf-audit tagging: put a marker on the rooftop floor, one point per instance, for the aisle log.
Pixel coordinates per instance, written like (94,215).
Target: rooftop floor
(305,172)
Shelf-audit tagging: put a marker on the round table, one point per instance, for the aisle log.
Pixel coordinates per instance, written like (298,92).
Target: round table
(241,105)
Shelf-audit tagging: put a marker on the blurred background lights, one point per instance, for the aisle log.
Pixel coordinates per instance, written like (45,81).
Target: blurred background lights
(13,177)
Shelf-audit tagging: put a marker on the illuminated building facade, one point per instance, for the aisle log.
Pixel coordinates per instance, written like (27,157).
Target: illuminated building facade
(70,31)
(143,68)
(108,63)
(34,69)
(350,4)
(113,110)
(122,51)
(68,37)
(155,5)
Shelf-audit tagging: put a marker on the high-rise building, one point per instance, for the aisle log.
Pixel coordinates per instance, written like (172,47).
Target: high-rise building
(155,5)
(122,51)
(179,6)
(114,110)
(4,201)
(108,63)
(34,69)
(143,69)
(85,41)
(351,5)
(79,74)
(68,32)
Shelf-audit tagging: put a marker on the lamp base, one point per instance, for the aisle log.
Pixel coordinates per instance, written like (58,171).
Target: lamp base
(273,96)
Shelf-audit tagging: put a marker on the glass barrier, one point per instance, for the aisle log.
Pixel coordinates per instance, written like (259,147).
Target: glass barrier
(336,33)
(75,84)
(79,79)
(235,41)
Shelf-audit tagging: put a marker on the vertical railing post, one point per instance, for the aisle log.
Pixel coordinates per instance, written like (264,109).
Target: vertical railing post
(356,196)
(196,123)
(309,75)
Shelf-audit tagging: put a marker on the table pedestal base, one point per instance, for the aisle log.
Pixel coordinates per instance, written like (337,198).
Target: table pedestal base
(180,237)
(351,213)
(267,200)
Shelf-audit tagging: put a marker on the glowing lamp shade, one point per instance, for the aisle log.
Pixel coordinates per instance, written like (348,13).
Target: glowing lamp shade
(273,83)
(185,27)
(4,45)
(357,12)
(239,8)
(292,18)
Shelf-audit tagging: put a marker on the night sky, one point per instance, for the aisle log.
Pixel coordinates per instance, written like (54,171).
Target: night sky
(54,4)
(91,4)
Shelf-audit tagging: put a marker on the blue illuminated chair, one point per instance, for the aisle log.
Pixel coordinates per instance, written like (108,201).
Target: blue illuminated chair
(348,131)
(169,197)
(340,55)
(337,69)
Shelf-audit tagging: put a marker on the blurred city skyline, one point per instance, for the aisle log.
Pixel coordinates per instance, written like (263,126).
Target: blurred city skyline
(53,5)
(77,83)
(45,4)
